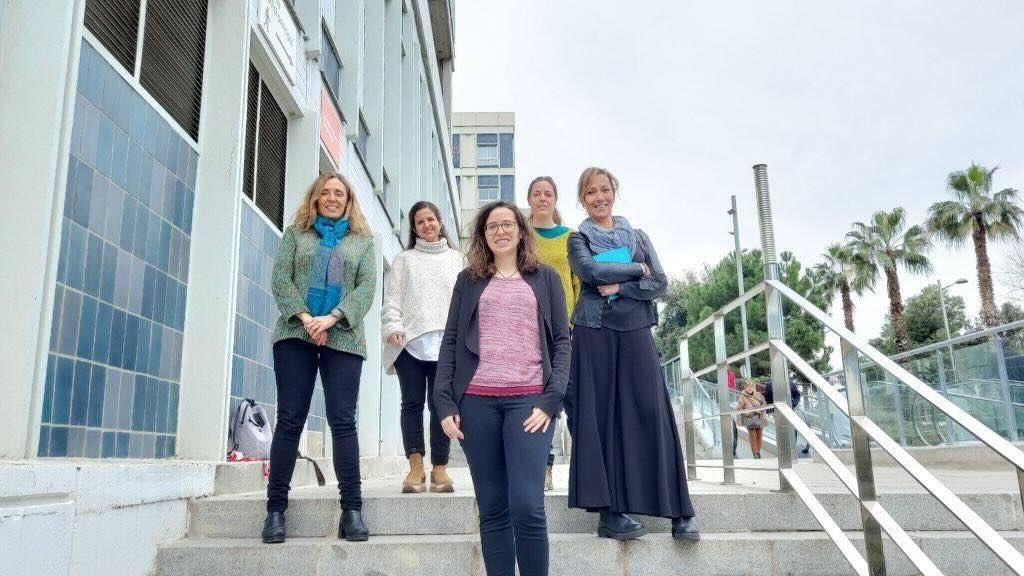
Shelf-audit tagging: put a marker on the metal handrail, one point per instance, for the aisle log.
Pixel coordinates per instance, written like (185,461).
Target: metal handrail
(860,485)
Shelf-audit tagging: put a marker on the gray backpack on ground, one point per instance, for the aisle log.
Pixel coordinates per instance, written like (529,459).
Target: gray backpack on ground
(250,431)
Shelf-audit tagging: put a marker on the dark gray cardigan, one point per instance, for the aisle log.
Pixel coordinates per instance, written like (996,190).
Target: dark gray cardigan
(460,346)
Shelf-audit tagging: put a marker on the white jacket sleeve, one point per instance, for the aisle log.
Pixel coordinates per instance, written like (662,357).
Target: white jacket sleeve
(391,307)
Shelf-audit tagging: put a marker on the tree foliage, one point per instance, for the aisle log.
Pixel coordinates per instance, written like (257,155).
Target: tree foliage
(695,298)
(923,314)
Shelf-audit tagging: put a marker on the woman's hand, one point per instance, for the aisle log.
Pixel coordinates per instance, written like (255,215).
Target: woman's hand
(307,323)
(320,324)
(397,339)
(537,422)
(450,425)
(608,290)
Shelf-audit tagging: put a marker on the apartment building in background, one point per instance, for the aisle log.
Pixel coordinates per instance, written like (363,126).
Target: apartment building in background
(483,153)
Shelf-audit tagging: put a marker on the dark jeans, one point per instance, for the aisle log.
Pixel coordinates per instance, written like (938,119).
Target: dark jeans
(416,378)
(507,466)
(295,366)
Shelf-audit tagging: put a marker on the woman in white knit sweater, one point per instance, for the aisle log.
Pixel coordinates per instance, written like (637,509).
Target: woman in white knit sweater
(413,318)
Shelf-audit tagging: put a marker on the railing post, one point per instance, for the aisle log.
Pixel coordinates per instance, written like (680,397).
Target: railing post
(725,419)
(862,458)
(776,329)
(686,382)
(1004,387)
(940,366)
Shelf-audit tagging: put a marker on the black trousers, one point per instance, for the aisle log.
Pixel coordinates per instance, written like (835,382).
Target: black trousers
(507,466)
(416,378)
(295,366)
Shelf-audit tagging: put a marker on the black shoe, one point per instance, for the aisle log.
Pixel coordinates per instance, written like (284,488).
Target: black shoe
(273,528)
(757,455)
(352,527)
(619,527)
(685,529)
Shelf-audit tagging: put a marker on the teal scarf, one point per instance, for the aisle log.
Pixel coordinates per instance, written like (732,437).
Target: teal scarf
(551,233)
(326,283)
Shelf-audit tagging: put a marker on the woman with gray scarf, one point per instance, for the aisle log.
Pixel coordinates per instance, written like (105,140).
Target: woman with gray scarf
(626,456)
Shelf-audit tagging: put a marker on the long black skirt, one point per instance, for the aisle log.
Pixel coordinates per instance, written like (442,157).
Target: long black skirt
(626,456)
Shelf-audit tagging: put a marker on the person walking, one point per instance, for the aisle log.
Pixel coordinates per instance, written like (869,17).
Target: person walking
(413,315)
(323,280)
(626,456)
(501,376)
(552,249)
(751,399)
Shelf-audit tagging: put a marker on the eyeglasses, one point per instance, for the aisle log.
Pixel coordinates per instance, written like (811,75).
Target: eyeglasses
(508,227)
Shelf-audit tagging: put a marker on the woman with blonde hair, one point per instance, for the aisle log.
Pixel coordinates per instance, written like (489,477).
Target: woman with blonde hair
(626,457)
(553,249)
(751,399)
(323,281)
(501,374)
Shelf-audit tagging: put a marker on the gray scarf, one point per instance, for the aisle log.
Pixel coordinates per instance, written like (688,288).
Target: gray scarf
(602,240)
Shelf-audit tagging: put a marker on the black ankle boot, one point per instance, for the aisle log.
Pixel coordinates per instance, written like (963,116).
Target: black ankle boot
(352,527)
(685,529)
(273,528)
(619,527)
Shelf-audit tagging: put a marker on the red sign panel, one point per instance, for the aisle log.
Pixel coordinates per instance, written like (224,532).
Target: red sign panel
(331,128)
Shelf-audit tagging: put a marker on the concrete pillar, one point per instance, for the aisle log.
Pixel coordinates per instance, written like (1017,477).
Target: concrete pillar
(445,69)
(210,312)
(39,47)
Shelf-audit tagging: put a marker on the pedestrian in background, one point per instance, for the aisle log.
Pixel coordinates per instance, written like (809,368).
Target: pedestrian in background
(751,399)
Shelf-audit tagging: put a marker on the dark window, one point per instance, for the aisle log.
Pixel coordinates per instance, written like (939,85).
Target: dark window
(487,150)
(115,23)
(266,150)
(173,48)
(508,192)
(507,151)
(456,152)
(330,66)
(487,189)
(251,116)
(362,138)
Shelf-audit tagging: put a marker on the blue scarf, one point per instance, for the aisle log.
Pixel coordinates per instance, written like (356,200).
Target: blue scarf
(326,283)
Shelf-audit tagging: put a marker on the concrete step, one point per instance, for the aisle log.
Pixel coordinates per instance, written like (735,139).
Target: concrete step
(760,554)
(314,512)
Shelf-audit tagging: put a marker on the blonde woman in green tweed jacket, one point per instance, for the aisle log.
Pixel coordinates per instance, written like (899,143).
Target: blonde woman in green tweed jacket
(323,281)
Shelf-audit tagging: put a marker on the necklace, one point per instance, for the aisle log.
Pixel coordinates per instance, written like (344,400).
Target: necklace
(504,277)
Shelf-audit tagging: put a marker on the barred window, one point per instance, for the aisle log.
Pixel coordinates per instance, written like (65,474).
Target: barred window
(266,150)
(173,49)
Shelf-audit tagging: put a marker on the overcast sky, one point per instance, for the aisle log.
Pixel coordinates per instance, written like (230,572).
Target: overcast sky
(854,106)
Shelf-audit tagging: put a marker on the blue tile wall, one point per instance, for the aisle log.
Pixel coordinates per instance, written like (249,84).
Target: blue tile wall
(252,362)
(122,277)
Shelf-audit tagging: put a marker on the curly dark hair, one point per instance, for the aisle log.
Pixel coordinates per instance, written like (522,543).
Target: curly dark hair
(480,257)
(412,223)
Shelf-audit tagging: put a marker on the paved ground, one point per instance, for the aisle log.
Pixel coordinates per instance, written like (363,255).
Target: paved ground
(817,476)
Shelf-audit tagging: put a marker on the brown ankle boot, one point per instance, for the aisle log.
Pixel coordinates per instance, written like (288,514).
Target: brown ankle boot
(416,481)
(439,479)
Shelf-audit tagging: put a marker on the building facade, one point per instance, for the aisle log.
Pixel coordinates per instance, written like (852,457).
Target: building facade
(153,153)
(483,151)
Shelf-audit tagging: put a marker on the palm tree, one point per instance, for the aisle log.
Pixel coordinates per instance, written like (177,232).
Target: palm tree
(886,244)
(844,271)
(977,213)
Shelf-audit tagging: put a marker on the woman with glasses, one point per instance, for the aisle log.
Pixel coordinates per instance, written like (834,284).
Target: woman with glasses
(626,456)
(501,375)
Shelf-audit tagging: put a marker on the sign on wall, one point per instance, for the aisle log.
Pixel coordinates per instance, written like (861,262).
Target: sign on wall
(332,129)
(282,35)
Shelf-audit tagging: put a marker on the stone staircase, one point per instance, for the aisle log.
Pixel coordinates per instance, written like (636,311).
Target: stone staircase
(748,529)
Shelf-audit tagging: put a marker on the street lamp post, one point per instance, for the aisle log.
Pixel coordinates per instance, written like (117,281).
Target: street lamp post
(945,317)
(739,283)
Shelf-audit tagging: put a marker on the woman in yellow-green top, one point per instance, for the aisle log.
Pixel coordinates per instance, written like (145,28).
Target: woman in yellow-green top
(552,248)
